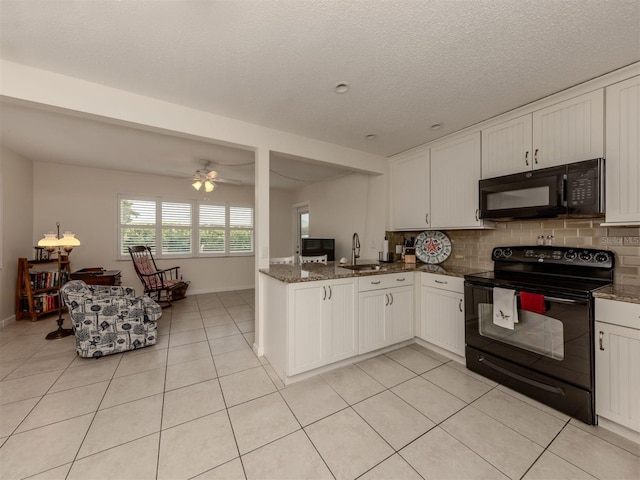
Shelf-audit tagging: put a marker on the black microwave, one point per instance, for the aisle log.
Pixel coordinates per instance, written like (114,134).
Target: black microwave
(571,190)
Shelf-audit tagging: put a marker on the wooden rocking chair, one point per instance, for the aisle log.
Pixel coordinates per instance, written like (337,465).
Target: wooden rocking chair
(157,283)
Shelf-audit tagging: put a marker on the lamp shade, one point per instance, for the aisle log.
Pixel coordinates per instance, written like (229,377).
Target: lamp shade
(69,240)
(197,184)
(208,186)
(50,240)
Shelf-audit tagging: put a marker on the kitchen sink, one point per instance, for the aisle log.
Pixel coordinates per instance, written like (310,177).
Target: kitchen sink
(365,267)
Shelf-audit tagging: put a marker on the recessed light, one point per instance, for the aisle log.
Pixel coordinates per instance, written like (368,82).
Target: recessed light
(436,126)
(370,136)
(341,87)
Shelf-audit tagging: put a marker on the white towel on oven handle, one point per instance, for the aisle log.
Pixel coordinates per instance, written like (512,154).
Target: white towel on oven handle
(505,307)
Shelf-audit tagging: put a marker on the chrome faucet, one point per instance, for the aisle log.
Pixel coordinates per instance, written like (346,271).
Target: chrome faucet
(355,245)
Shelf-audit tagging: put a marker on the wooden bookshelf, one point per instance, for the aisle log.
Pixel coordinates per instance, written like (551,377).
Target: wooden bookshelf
(38,288)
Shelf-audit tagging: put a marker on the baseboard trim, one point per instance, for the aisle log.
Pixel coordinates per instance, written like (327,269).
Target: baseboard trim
(7,321)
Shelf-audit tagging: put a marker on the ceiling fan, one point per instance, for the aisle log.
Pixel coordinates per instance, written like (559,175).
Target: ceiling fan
(208,177)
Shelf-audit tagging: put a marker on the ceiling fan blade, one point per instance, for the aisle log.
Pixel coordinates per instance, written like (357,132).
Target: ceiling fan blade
(230,181)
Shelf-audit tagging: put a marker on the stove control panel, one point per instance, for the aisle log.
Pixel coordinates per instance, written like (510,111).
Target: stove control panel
(584,257)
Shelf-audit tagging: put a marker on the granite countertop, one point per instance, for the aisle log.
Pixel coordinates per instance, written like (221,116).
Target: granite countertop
(620,293)
(311,272)
(314,271)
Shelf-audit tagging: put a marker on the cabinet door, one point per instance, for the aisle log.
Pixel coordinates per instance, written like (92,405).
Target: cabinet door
(570,131)
(506,148)
(400,313)
(455,169)
(341,319)
(410,190)
(372,323)
(443,319)
(623,152)
(617,375)
(307,328)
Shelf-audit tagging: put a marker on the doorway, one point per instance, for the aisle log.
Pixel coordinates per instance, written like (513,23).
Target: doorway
(301,211)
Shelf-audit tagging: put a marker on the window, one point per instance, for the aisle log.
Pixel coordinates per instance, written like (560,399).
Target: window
(176,228)
(213,227)
(240,229)
(172,229)
(137,223)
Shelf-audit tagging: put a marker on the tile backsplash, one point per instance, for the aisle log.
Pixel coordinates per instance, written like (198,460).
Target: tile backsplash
(472,248)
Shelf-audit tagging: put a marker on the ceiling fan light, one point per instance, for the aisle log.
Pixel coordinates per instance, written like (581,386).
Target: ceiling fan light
(197,184)
(208,186)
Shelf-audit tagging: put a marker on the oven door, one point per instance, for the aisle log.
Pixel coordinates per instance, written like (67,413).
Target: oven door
(548,357)
(557,343)
(535,194)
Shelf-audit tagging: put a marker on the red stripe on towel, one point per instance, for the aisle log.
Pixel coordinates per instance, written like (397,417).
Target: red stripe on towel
(532,302)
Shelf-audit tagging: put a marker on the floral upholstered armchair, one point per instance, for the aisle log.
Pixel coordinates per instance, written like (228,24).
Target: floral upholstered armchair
(107,320)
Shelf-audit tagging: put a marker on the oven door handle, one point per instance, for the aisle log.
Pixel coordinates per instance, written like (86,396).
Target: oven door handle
(564,300)
(547,298)
(529,381)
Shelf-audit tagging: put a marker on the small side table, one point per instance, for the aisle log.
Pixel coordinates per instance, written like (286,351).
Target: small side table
(97,276)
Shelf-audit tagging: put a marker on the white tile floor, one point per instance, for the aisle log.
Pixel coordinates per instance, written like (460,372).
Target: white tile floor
(199,404)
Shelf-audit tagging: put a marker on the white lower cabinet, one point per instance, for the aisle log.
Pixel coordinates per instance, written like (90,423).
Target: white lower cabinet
(322,324)
(617,345)
(385,311)
(442,312)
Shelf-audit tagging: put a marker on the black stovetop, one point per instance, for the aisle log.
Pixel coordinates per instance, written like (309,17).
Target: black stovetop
(549,270)
(538,283)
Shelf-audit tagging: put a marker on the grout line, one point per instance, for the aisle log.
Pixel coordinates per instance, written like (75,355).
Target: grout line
(164,390)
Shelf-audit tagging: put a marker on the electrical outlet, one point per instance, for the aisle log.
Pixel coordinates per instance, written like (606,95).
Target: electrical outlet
(373,245)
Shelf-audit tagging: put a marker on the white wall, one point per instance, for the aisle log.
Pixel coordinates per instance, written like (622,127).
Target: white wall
(16,174)
(281,223)
(84,200)
(355,203)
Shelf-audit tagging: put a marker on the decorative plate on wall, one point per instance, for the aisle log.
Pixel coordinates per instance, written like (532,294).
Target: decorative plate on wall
(432,247)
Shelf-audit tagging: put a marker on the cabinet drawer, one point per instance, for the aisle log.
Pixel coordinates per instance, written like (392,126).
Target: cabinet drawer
(444,282)
(376,282)
(618,313)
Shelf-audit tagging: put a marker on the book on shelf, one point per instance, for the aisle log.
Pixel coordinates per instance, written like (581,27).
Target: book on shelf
(42,302)
(48,279)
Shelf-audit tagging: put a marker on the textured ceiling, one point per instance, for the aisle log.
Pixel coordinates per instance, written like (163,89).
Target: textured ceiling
(410,63)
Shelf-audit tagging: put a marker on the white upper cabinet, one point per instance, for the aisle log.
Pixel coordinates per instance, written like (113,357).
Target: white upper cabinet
(566,132)
(623,153)
(569,131)
(455,171)
(410,190)
(437,187)
(506,148)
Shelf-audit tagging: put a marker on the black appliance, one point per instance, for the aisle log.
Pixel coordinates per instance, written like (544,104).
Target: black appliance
(319,246)
(549,354)
(572,190)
